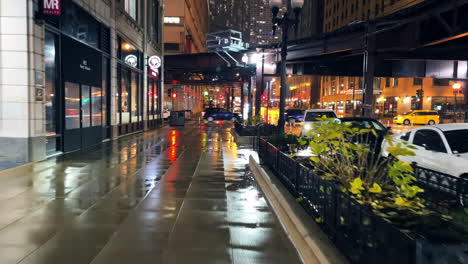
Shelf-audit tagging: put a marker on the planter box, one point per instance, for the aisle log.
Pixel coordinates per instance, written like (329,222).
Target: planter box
(362,236)
(258,130)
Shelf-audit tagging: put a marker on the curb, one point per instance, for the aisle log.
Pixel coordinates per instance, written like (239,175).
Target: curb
(242,139)
(312,245)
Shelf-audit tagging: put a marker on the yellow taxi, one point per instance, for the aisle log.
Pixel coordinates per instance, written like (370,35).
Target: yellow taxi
(420,117)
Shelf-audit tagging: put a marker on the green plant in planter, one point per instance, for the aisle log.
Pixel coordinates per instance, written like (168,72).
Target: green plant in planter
(343,154)
(254,120)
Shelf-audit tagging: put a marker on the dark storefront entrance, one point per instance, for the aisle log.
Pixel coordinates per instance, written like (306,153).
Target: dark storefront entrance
(82,77)
(77,58)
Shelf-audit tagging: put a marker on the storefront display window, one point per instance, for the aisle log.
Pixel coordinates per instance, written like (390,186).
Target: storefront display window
(86,105)
(390,107)
(125,105)
(349,107)
(50,50)
(130,64)
(96,106)
(72,106)
(135,95)
(105,99)
(151,99)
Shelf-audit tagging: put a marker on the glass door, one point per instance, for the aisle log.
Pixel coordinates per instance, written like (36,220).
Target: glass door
(83,116)
(91,115)
(72,133)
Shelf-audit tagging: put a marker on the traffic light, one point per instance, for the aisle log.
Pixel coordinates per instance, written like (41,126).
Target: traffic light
(419,93)
(174,95)
(264,97)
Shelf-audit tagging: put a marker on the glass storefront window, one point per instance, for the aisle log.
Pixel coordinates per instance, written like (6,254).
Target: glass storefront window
(80,25)
(104,93)
(135,97)
(72,106)
(125,98)
(50,49)
(86,105)
(96,106)
(130,7)
(151,96)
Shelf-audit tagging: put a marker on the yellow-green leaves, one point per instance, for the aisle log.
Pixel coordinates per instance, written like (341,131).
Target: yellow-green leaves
(315,159)
(301,141)
(344,153)
(356,186)
(402,202)
(411,191)
(375,188)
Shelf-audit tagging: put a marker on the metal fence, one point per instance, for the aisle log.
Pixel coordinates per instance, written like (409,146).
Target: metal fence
(362,236)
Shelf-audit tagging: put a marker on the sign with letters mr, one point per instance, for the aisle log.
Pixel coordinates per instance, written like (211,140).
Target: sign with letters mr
(51,7)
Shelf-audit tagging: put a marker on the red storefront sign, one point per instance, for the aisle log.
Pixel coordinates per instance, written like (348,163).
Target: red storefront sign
(153,73)
(51,7)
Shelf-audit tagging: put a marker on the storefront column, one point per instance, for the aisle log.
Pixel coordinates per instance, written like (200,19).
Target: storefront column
(22,117)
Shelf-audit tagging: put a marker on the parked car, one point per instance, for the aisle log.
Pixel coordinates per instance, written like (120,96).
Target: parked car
(441,148)
(422,117)
(293,116)
(311,117)
(369,123)
(214,114)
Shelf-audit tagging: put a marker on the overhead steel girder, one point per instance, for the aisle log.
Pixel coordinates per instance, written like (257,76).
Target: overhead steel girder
(204,68)
(432,24)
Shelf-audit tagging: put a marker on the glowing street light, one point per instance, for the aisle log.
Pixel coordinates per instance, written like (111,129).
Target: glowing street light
(245,58)
(456,89)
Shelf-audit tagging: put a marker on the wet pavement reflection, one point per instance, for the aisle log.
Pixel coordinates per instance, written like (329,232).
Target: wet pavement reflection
(175,195)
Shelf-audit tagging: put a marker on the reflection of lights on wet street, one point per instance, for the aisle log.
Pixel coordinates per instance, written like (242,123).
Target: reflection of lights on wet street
(172,154)
(252,196)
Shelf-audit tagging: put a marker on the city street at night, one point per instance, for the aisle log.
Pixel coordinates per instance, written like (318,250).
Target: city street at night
(233,132)
(173,196)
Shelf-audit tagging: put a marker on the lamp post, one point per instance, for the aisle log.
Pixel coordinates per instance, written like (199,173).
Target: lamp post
(285,23)
(456,89)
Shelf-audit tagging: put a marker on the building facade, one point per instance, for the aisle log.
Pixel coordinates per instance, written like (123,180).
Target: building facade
(339,13)
(75,74)
(251,17)
(185,26)
(393,96)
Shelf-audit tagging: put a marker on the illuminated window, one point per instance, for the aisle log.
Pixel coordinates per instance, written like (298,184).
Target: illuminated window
(171,20)
(130,7)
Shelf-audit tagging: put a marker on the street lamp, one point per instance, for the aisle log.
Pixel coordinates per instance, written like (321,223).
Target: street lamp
(285,23)
(456,89)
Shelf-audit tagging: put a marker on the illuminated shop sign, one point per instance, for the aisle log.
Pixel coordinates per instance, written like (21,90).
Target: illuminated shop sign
(131,60)
(154,63)
(51,7)
(171,20)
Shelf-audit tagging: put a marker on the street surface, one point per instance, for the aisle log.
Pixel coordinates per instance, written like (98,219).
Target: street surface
(175,195)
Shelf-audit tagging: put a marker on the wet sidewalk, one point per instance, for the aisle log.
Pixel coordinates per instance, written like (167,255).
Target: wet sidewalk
(181,195)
